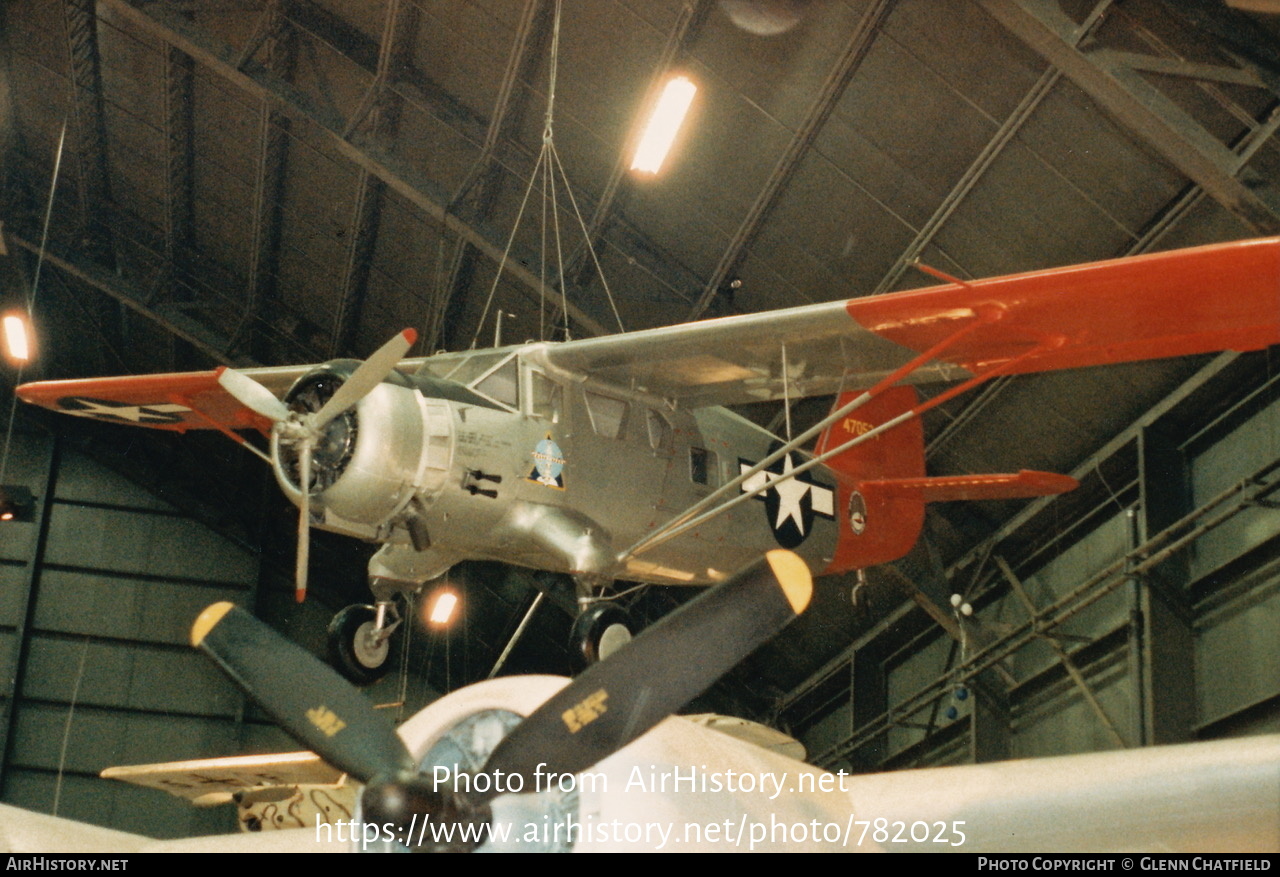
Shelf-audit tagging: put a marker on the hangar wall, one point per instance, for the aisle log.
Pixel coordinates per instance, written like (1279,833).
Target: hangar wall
(97,595)
(1144,608)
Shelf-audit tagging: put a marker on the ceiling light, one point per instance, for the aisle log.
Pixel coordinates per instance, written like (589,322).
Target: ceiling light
(15,503)
(442,608)
(17,343)
(664,124)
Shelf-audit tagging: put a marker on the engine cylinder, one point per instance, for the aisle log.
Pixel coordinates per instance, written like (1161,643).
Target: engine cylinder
(373,458)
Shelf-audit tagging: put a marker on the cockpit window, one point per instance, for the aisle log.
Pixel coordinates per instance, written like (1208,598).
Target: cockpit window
(464,368)
(502,384)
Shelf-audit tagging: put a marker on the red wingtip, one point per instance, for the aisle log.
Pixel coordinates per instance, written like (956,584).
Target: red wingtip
(300,594)
(410,335)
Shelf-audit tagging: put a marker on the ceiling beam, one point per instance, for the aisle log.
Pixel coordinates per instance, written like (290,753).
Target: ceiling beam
(483,182)
(851,58)
(89,136)
(179,83)
(169,27)
(1021,114)
(279,47)
(87,145)
(135,298)
(380,111)
(1137,106)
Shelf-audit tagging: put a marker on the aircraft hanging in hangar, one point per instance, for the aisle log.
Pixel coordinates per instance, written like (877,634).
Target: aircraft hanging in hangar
(614,458)
(598,764)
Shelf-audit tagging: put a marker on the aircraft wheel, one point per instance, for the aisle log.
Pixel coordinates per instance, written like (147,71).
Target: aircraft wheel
(600,631)
(352,648)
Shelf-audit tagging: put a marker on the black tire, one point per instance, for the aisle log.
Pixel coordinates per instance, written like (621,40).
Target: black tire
(359,664)
(600,631)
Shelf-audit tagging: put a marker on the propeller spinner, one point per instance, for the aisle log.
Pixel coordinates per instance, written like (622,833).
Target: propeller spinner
(305,430)
(602,710)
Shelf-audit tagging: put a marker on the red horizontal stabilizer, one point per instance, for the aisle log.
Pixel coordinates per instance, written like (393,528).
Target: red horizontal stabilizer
(949,488)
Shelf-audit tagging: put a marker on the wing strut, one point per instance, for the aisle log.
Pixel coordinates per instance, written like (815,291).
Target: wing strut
(697,514)
(234,436)
(677,524)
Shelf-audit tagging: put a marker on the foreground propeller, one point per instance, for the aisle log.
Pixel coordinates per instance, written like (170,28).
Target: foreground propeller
(305,429)
(605,708)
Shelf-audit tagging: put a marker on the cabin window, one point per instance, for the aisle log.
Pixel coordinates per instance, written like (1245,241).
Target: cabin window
(546,397)
(607,414)
(465,368)
(659,432)
(502,384)
(702,465)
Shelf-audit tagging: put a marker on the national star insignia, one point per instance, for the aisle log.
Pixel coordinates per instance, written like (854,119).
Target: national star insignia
(101,409)
(791,493)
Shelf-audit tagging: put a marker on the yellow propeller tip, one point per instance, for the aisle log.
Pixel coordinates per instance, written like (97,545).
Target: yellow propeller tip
(208,618)
(793,577)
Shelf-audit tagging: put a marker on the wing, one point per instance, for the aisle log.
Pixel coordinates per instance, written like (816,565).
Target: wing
(215,780)
(1199,300)
(178,402)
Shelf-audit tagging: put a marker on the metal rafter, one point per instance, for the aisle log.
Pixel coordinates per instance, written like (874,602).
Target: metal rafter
(1241,152)
(1138,106)
(279,48)
(90,133)
(484,181)
(88,146)
(179,83)
(179,185)
(850,59)
(381,112)
(1007,131)
(133,297)
(169,27)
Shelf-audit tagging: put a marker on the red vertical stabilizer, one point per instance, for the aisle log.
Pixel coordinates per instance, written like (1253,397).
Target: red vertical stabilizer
(877,523)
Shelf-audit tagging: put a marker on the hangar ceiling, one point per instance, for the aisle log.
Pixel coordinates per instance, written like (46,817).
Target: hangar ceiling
(248,182)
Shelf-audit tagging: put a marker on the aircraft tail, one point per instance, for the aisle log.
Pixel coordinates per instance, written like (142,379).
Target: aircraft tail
(882,489)
(878,522)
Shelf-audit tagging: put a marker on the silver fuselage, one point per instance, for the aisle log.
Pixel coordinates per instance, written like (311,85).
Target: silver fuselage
(494,455)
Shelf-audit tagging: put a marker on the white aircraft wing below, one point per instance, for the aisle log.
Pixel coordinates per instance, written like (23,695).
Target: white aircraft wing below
(210,781)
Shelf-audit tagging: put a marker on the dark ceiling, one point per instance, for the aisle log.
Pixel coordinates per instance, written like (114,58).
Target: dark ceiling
(283,181)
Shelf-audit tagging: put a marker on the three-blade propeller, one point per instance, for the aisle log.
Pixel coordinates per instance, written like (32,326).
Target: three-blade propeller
(605,708)
(305,429)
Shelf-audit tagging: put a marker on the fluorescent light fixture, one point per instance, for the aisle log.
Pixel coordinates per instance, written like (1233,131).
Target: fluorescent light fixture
(16,341)
(15,503)
(442,609)
(664,124)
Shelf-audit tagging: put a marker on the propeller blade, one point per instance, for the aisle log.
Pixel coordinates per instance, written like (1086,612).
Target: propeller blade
(304,520)
(615,701)
(309,700)
(252,394)
(370,373)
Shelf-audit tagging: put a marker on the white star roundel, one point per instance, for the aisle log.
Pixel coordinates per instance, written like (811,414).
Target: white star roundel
(791,501)
(123,412)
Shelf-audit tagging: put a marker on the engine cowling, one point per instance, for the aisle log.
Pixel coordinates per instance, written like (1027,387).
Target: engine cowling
(374,458)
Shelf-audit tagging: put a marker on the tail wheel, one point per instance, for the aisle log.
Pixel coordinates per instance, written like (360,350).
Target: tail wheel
(355,649)
(600,631)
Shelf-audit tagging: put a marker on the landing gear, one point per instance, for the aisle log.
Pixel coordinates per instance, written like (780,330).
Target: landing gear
(360,641)
(600,630)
